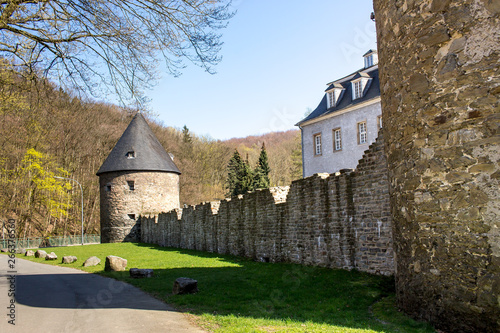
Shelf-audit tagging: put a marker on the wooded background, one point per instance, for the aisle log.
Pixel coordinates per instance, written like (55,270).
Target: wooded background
(48,133)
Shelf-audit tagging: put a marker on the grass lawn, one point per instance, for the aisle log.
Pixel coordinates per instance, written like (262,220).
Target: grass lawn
(240,295)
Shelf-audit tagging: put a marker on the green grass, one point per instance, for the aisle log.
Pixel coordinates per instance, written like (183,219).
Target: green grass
(240,295)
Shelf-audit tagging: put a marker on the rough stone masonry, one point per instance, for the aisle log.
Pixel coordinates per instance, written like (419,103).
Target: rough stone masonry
(440,85)
(338,221)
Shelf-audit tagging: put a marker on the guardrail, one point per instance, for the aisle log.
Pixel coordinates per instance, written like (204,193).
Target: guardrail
(37,242)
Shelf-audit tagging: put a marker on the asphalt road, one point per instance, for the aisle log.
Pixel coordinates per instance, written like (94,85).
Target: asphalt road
(59,299)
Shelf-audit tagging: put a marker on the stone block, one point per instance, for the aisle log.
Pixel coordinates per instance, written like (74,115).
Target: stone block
(114,263)
(185,285)
(92,261)
(140,273)
(69,259)
(40,254)
(51,256)
(29,253)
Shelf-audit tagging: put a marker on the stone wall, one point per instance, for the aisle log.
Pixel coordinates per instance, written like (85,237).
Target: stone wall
(338,221)
(121,207)
(439,73)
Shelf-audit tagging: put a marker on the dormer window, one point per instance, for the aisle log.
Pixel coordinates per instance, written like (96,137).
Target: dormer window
(331,99)
(130,154)
(357,89)
(369,61)
(371,58)
(358,84)
(334,95)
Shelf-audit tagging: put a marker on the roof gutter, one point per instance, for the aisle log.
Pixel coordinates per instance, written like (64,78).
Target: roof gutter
(337,113)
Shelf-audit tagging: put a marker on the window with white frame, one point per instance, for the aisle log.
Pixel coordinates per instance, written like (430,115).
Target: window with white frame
(379,122)
(362,135)
(317,144)
(337,139)
(369,61)
(130,154)
(358,89)
(331,99)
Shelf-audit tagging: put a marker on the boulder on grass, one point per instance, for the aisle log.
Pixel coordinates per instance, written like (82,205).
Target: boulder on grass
(5,250)
(114,263)
(140,273)
(21,251)
(40,254)
(185,286)
(69,259)
(92,261)
(29,253)
(51,256)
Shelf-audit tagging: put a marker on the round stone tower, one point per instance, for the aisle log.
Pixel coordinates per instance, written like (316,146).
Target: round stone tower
(440,86)
(138,177)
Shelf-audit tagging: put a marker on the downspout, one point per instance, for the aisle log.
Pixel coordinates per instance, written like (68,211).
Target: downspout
(302,151)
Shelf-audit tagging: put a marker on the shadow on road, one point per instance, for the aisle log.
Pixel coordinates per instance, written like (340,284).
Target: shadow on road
(84,291)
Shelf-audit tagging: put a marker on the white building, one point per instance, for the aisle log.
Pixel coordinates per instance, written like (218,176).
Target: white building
(345,123)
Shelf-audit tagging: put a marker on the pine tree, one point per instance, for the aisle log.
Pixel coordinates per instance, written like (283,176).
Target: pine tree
(234,166)
(246,177)
(186,135)
(239,176)
(262,170)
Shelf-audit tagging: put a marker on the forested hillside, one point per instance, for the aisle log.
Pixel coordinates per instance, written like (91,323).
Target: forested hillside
(48,133)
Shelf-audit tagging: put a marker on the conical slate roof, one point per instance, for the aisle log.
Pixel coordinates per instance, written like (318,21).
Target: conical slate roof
(138,149)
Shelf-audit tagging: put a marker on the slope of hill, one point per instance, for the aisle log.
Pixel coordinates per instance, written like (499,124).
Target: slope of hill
(283,148)
(47,132)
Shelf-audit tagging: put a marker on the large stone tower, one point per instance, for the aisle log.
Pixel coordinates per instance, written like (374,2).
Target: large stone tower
(440,85)
(137,178)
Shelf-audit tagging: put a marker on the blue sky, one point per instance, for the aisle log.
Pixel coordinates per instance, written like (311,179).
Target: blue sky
(278,56)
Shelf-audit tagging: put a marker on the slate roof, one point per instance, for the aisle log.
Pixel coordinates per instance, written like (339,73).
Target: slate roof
(371,90)
(149,153)
(369,51)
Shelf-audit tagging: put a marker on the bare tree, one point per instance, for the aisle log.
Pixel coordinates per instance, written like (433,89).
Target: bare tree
(84,43)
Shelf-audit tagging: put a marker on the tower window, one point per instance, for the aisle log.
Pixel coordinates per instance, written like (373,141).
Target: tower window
(131,184)
(107,188)
(130,154)
(131,216)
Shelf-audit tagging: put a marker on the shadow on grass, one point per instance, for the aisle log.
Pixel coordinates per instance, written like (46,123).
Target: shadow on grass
(280,291)
(238,287)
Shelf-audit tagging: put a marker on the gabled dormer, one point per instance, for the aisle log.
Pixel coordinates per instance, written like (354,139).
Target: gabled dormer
(358,84)
(334,94)
(371,58)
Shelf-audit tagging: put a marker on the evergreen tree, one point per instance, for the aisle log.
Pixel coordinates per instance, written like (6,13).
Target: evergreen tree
(261,173)
(186,135)
(239,176)
(234,166)
(246,177)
